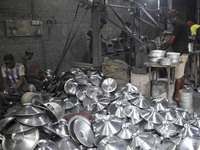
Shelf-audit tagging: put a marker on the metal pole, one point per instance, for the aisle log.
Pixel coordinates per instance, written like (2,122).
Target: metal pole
(96,37)
(198,12)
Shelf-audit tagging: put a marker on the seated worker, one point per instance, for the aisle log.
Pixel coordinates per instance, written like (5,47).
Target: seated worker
(195,31)
(89,33)
(29,77)
(12,73)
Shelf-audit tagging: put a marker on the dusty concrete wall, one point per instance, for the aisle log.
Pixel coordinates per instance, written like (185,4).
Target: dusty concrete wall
(57,17)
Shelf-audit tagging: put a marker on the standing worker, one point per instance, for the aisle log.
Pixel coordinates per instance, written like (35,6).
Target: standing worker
(179,43)
(13,73)
(195,31)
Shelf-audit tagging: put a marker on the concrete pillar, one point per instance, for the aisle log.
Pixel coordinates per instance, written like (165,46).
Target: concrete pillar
(96,37)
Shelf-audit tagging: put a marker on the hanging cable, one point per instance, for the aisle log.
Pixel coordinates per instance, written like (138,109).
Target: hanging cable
(68,44)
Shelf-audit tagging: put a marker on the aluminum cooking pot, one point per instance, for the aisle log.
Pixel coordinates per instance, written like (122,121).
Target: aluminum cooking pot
(31,97)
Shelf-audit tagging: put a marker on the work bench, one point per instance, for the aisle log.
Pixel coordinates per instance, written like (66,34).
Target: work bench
(151,65)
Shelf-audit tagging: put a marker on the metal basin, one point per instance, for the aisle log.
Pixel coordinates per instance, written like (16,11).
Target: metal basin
(25,140)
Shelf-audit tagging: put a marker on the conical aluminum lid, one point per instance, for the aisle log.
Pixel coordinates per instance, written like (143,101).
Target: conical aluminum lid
(140,101)
(99,105)
(133,112)
(82,79)
(127,131)
(116,108)
(28,110)
(108,125)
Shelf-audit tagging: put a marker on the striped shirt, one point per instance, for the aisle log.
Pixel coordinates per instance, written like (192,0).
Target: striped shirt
(13,74)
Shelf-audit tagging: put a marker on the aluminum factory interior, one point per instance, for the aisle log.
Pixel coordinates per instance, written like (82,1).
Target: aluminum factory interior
(100,75)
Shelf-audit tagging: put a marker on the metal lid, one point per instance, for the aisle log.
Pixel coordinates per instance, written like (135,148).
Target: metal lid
(83,132)
(36,120)
(116,108)
(67,144)
(82,79)
(17,128)
(28,109)
(109,85)
(94,92)
(46,145)
(25,140)
(109,125)
(71,87)
(127,131)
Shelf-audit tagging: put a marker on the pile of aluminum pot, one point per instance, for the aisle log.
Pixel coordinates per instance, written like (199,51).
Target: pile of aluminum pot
(89,112)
